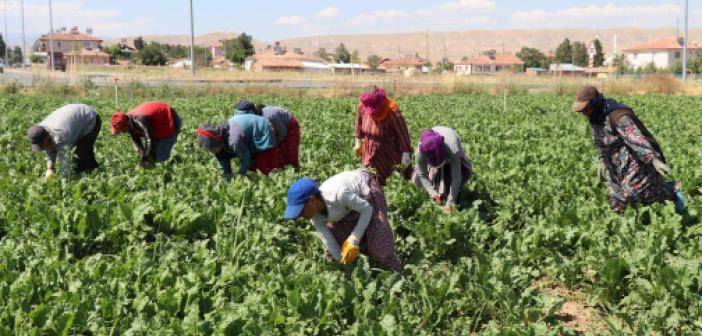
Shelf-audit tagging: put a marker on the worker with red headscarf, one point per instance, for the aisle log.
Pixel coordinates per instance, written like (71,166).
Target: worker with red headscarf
(156,122)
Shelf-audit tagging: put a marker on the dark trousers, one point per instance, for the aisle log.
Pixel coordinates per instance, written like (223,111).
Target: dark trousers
(85,149)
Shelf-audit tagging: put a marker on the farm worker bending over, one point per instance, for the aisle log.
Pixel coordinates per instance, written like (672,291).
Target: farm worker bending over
(72,125)
(347,210)
(287,129)
(382,138)
(245,136)
(442,167)
(156,122)
(630,159)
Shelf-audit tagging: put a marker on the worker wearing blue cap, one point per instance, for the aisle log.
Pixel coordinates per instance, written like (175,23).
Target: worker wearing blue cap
(350,214)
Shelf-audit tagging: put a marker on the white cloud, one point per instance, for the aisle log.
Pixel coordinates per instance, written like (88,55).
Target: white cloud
(290,20)
(480,5)
(329,12)
(592,15)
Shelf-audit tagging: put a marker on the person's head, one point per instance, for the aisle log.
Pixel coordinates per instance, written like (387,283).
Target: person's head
(304,200)
(431,145)
(586,100)
(245,107)
(40,138)
(211,138)
(373,100)
(119,123)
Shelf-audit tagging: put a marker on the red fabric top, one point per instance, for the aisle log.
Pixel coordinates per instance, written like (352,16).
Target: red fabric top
(161,116)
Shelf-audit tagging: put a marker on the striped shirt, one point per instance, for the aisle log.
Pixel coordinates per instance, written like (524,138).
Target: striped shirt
(384,142)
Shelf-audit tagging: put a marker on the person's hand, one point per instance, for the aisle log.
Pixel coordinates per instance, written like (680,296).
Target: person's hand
(49,173)
(358,148)
(437,199)
(449,209)
(406,161)
(142,153)
(602,170)
(661,167)
(350,250)
(146,164)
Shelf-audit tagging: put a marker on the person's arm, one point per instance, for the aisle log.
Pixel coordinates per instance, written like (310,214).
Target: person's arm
(144,125)
(597,129)
(225,165)
(66,161)
(399,124)
(423,175)
(355,203)
(456,178)
(327,237)
(359,122)
(244,159)
(635,140)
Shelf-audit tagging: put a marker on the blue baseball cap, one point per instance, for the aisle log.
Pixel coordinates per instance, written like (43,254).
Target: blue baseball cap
(298,194)
(245,106)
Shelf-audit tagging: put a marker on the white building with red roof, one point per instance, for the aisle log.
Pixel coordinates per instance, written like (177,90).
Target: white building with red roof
(278,58)
(489,64)
(81,48)
(663,52)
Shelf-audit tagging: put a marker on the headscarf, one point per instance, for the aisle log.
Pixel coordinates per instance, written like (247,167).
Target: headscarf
(602,107)
(119,122)
(245,107)
(432,147)
(209,136)
(377,105)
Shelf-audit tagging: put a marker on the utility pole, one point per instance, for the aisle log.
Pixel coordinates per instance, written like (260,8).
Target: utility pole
(7,62)
(51,35)
(24,39)
(684,75)
(427,45)
(192,39)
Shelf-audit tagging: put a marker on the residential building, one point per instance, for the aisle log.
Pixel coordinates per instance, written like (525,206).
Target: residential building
(216,51)
(400,64)
(566,69)
(278,58)
(73,44)
(663,52)
(489,64)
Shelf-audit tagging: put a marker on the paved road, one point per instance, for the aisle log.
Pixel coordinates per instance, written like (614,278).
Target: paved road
(29,79)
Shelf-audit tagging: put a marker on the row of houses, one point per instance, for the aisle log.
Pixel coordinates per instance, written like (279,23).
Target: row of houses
(663,53)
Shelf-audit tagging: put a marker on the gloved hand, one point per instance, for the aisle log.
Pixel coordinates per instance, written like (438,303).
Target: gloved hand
(661,167)
(602,170)
(350,250)
(49,173)
(406,161)
(437,199)
(358,148)
(449,210)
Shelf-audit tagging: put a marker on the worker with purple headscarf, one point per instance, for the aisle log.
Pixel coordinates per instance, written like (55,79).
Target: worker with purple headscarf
(442,167)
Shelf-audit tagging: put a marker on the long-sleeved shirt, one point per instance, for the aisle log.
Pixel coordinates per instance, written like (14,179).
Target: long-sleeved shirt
(247,135)
(343,193)
(279,118)
(67,126)
(454,152)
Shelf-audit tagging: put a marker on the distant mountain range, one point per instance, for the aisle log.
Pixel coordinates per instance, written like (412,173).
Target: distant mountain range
(453,45)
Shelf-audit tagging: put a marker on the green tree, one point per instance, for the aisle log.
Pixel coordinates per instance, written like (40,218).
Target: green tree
(355,58)
(532,57)
(36,59)
(564,52)
(580,54)
(650,68)
(621,64)
(139,43)
(322,53)
(373,61)
(115,52)
(341,54)
(599,53)
(16,56)
(238,49)
(152,54)
(2,47)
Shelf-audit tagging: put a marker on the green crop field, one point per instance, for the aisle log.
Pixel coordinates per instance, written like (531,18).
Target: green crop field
(179,251)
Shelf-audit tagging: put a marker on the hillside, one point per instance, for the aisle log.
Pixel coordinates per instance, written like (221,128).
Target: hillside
(454,45)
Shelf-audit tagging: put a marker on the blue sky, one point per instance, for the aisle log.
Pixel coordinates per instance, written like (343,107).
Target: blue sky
(271,20)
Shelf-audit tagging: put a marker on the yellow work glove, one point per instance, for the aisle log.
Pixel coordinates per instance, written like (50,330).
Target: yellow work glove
(349,251)
(358,148)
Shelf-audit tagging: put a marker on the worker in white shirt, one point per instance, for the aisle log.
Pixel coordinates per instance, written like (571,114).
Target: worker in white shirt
(350,214)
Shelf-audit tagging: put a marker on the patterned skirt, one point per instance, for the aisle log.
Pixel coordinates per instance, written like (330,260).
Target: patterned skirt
(441,177)
(378,241)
